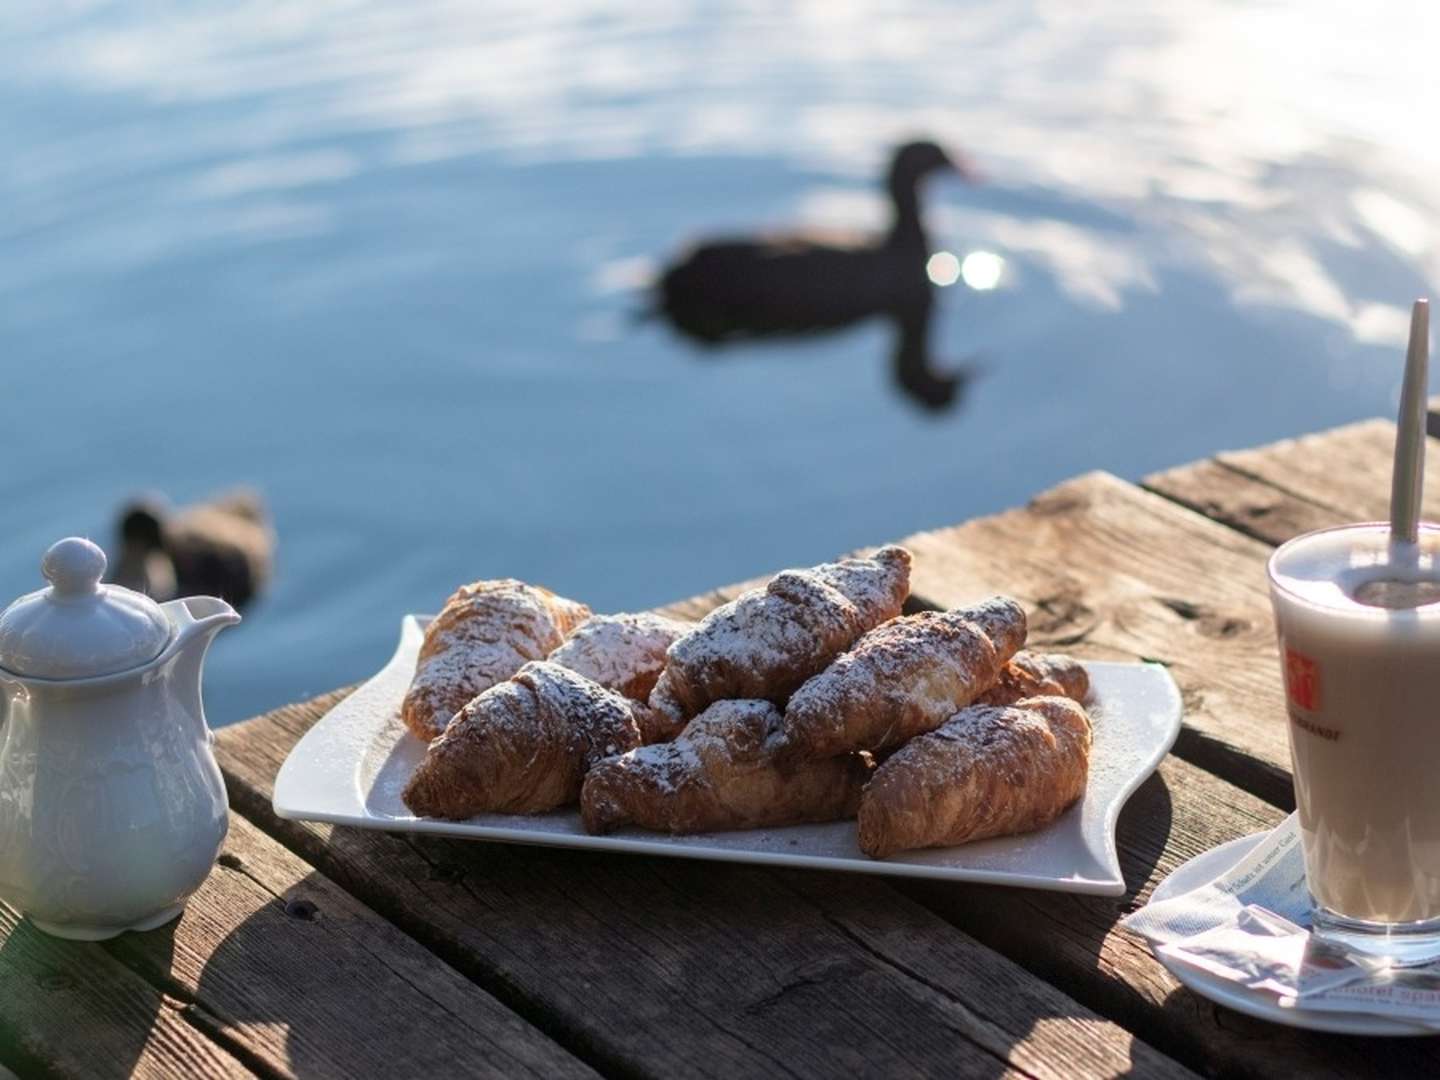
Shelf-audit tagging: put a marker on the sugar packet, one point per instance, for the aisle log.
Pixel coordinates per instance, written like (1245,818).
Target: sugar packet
(1251,926)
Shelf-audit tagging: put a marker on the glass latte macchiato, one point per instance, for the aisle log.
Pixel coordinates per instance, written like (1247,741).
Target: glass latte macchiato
(1358,616)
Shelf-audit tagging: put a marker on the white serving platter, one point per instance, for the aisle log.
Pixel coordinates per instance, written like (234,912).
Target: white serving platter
(350,768)
(1205,868)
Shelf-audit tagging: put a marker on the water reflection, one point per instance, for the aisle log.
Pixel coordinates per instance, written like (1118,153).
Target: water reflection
(729,290)
(377,259)
(982,270)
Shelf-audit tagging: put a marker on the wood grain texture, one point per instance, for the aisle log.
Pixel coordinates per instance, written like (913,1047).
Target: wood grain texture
(1108,571)
(1224,494)
(1152,555)
(1278,491)
(657,967)
(71,1009)
(1346,469)
(304,980)
(1072,942)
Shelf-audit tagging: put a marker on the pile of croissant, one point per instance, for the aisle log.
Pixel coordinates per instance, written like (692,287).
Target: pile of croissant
(810,699)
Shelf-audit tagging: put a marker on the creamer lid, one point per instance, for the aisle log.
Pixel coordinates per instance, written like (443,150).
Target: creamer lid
(78,628)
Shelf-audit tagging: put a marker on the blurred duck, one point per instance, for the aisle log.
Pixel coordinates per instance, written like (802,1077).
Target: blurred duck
(221,547)
(805,282)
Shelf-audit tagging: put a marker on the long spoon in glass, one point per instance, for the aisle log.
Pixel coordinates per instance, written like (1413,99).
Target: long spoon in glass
(1408,582)
(1408,482)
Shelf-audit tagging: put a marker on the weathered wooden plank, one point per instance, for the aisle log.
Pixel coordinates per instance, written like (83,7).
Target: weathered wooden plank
(70,1009)
(1107,570)
(306,981)
(656,967)
(1224,494)
(1073,942)
(1278,491)
(1347,469)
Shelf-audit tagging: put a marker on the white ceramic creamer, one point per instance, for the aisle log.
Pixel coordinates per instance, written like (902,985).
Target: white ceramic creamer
(112,807)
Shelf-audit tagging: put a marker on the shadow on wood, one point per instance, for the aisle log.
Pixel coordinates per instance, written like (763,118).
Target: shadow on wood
(70,1008)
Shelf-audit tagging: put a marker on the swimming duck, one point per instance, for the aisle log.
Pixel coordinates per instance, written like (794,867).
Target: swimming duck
(745,288)
(220,547)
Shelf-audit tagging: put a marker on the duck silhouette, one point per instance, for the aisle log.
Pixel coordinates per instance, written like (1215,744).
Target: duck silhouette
(748,288)
(221,547)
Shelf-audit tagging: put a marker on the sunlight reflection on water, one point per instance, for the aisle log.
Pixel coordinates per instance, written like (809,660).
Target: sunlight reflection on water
(1217,131)
(383,260)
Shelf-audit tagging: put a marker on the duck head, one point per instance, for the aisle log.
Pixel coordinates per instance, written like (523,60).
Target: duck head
(144,565)
(911,164)
(915,161)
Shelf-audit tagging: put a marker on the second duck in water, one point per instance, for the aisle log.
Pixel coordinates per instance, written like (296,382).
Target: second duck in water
(221,547)
(787,284)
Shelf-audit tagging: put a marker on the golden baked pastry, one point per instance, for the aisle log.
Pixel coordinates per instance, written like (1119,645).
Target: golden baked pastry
(1032,674)
(667,715)
(765,643)
(483,635)
(989,771)
(719,773)
(902,679)
(624,653)
(523,746)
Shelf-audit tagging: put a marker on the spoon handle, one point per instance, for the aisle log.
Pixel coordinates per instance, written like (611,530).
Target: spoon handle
(1408,482)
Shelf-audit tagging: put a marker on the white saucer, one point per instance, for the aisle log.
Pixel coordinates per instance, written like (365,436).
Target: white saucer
(1206,868)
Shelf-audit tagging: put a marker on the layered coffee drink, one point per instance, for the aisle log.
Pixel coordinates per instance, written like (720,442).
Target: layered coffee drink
(1358,615)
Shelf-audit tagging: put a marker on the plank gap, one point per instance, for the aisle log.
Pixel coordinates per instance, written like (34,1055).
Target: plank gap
(176,997)
(209,1025)
(569,1037)
(1260,778)
(932,987)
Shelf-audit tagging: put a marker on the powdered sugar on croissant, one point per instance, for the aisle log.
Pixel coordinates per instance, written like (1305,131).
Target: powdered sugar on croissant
(988,771)
(523,746)
(624,653)
(483,635)
(1032,674)
(719,774)
(768,641)
(902,679)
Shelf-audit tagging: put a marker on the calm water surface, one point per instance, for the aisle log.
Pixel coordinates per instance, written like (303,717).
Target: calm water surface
(382,262)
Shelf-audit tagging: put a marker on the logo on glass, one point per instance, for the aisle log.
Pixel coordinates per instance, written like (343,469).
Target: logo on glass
(1302,680)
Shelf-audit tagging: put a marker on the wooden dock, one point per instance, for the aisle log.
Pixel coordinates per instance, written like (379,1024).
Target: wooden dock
(317,951)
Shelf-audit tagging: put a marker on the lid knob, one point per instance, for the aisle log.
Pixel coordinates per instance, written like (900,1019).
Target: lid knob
(74,566)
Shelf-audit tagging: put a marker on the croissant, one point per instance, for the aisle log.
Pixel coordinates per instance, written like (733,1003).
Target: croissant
(989,771)
(624,653)
(523,746)
(766,642)
(902,679)
(667,715)
(719,774)
(482,636)
(1032,674)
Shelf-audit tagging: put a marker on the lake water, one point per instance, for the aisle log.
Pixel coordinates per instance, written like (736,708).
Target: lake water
(382,261)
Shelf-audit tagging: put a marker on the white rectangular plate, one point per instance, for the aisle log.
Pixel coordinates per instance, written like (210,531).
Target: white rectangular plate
(350,768)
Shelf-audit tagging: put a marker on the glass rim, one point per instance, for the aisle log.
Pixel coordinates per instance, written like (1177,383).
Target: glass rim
(1361,611)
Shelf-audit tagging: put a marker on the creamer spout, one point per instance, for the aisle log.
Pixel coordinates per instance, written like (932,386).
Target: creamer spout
(197,619)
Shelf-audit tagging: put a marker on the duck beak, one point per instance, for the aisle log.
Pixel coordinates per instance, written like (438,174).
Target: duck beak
(965,169)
